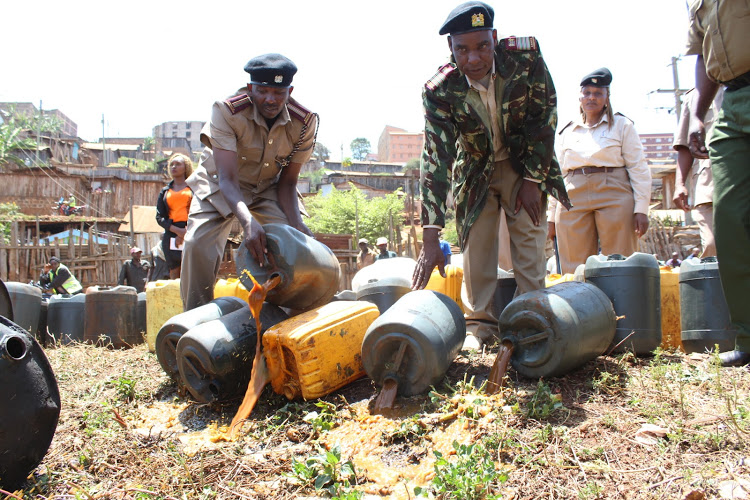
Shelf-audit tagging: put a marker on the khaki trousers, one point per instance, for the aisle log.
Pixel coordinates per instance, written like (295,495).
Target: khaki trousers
(703,215)
(206,237)
(481,250)
(602,216)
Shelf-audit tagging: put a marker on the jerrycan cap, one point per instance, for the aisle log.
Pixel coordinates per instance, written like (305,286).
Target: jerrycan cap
(385,354)
(532,336)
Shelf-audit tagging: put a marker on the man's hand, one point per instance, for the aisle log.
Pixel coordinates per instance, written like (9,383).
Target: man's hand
(640,222)
(551,231)
(429,257)
(47,268)
(255,241)
(530,198)
(681,197)
(697,138)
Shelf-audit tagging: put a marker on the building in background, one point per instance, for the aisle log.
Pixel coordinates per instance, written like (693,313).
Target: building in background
(396,145)
(178,137)
(68,128)
(658,147)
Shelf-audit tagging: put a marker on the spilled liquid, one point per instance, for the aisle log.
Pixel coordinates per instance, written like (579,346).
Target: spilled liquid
(499,368)
(388,393)
(259,375)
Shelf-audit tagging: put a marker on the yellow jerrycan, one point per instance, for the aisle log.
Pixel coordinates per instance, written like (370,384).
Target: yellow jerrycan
(671,329)
(231,287)
(319,351)
(162,302)
(450,285)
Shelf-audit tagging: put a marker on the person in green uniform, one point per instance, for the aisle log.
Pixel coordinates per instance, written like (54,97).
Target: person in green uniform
(718,36)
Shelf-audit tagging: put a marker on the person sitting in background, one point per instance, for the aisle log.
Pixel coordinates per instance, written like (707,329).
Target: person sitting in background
(695,255)
(674,261)
(58,277)
(366,255)
(382,245)
(172,208)
(135,272)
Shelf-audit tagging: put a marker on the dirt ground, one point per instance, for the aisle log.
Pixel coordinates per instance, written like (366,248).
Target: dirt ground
(672,426)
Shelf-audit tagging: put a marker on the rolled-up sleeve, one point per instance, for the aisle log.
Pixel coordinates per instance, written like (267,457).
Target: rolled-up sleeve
(638,171)
(218,131)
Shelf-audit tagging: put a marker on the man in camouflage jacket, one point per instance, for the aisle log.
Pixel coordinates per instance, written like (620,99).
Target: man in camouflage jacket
(490,119)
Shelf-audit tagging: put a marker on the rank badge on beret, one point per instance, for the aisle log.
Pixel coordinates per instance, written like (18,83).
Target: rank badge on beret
(278,79)
(477,20)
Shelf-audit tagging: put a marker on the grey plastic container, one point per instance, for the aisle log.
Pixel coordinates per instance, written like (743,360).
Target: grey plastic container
(170,333)
(384,292)
(704,314)
(65,318)
(557,329)
(215,359)
(111,317)
(27,304)
(633,285)
(308,269)
(432,328)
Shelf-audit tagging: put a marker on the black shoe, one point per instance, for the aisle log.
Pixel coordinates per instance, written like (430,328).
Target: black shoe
(734,358)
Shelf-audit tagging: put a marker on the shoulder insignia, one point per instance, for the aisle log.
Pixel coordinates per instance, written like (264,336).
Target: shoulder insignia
(298,111)
(520,43)
(566,126)
(238,103)
(620,114)
(440,76)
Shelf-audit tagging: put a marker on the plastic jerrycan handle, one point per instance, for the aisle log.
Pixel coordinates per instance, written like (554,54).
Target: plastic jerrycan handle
(530,328)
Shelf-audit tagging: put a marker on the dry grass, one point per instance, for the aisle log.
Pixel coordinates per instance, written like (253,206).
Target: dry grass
(125,433)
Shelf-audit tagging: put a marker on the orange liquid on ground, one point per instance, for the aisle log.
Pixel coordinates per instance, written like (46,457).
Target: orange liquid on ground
(259,376)
(499,367)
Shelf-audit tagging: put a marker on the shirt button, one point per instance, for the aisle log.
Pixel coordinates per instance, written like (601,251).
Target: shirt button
(265,165)
(270,141)
(244,158)
(215,176)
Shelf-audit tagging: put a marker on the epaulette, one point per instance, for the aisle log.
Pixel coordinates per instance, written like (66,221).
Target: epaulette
(520,43)
(298,111)
(566,126)
(238,103)
(631,121)
(440,76)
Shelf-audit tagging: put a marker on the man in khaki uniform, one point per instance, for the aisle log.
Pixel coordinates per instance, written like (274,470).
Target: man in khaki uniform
(256,143)
(718,36)
(702,180)
(366,255)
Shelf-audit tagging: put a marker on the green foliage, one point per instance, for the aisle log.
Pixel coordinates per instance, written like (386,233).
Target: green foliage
(412,164)
(13,137)
(325,420)
(543,403)
(315,177)
(138,165)
(326,471)
(346,162)
(149,143)
(472,476)
(360,147)
(410,430)
(6,210)
(336,213)
(125,388)
(321,153)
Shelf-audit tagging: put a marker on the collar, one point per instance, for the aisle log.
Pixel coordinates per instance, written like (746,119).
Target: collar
(282,119)
(477,85)
(579,121)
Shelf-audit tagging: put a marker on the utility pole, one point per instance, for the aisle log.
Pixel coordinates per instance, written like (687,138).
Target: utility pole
(676,91)
(39,131)
(104,145)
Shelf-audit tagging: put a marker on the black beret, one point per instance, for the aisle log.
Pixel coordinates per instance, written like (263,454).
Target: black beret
(273,70)
(598,78)
(469,16)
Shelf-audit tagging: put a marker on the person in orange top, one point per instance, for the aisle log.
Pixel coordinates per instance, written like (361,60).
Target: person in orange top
(172,208)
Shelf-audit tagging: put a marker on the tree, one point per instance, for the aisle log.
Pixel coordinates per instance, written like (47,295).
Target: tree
(321,153)
(18,133)
(336,213)
(149,143)
(360,147)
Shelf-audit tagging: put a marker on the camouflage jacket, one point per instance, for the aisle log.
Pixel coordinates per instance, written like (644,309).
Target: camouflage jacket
(458,150)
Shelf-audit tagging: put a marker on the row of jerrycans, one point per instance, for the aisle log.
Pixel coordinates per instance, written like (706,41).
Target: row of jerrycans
(111,316)
(210,349)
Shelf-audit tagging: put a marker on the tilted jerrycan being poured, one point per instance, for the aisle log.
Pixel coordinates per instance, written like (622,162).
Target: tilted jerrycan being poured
(309,271)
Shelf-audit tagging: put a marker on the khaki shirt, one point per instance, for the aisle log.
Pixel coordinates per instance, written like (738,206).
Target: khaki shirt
(365,260)
(258,151)
(701,179)
(599,145)
(719,30)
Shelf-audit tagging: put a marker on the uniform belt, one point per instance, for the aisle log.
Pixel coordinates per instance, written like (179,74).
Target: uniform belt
(592,170)
(739,82)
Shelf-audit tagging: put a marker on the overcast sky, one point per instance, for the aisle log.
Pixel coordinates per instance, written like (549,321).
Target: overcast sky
(361,64)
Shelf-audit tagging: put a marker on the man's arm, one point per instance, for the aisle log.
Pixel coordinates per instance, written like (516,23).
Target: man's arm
(684,164)
(229,185)
(60,278)
(705,90)
(123,274)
